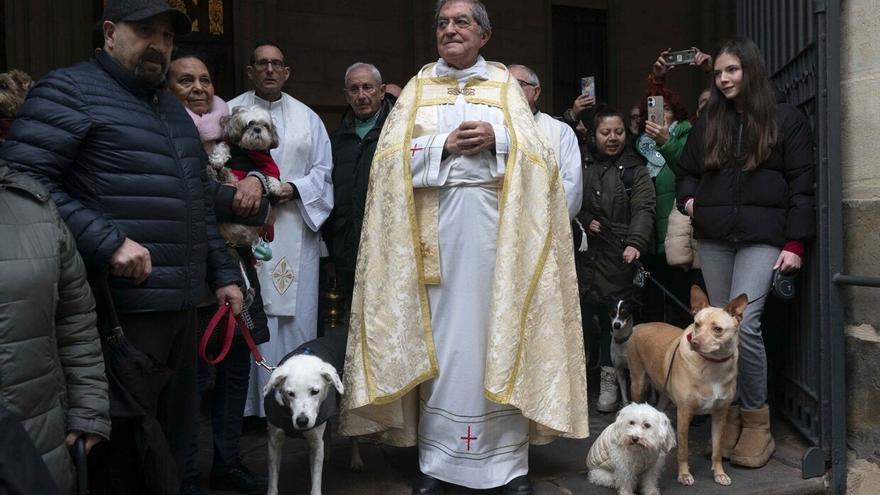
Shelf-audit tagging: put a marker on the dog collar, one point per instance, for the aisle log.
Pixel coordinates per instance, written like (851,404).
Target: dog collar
(623,340)
(707,358)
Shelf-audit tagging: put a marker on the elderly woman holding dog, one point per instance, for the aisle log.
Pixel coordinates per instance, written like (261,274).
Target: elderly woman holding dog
(190,81)
(746,180)
(617,217)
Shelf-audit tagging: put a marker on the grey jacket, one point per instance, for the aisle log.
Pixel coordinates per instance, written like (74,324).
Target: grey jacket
(51,366)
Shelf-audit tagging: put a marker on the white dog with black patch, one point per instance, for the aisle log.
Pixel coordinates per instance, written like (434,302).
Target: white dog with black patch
(299,399)
(630,452)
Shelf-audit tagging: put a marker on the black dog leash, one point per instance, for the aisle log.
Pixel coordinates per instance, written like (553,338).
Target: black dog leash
(612,239)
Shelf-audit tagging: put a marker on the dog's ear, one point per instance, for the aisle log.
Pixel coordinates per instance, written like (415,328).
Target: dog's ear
(275,381)
(699,300)
(274,134)
(618,428)
(737,307)
(667,434)
(328,372)
(22,78)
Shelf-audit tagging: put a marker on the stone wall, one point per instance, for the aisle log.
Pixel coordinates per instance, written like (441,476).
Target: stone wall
(860,95)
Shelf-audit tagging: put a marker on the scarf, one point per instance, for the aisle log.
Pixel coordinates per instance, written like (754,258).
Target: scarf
(210,130)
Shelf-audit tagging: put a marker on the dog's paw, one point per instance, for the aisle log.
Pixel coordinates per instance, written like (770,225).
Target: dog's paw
(356,466)
(686,479)
(722,479)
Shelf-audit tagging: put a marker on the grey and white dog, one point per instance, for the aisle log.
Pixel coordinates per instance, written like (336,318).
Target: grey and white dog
(248,129)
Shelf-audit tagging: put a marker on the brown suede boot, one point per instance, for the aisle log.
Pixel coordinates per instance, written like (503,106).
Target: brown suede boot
(755,445)
(730,433)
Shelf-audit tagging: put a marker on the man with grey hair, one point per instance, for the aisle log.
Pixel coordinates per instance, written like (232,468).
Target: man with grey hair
(353,145)
(465,323)
(559,136)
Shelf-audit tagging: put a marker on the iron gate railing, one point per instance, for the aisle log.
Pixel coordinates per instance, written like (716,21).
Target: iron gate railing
(800,40)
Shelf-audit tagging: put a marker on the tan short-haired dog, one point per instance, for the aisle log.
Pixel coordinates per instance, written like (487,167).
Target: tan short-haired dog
(695,367)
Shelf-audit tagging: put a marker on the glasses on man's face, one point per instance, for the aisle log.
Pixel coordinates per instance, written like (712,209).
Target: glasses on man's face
(460,22)
(264,63)
(355,90)
(526,84)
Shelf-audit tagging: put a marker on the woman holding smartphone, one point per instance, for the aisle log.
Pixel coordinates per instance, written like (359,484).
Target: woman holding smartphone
(746,180)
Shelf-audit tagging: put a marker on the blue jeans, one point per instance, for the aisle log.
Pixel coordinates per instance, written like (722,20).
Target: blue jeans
(732,269)
(227,409)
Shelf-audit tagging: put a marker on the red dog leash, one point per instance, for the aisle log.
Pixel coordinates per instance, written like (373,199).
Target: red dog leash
(231,320)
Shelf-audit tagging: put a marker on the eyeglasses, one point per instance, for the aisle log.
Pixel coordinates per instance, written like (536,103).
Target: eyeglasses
(366,88)
(524,84)
(461,22)
(264,64)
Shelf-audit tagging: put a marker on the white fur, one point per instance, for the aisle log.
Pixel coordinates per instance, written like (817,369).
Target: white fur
(621,328)
(301,384)
(641,436)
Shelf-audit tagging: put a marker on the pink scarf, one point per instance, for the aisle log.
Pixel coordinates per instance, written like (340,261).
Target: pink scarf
(208,124)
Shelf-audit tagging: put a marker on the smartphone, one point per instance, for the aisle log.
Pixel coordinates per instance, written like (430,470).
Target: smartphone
(588,86)
(680,57)
(655,110)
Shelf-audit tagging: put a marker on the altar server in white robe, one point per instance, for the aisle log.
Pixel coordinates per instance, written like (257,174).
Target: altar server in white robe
(465,276)
(559,136)
(289,281)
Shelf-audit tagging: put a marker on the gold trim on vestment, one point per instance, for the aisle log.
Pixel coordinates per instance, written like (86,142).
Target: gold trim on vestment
(535,359)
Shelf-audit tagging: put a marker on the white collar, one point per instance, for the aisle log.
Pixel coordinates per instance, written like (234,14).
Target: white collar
(479,70)
(268,105)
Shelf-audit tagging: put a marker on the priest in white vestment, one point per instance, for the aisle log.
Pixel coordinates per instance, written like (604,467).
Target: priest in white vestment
(560,137)
(465,334)
(289,281)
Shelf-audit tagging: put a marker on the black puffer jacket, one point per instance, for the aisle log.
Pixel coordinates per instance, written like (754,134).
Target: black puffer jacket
(123,160)
(772,204)
(352,157)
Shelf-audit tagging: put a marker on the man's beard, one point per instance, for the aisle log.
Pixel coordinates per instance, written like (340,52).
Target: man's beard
(153,79)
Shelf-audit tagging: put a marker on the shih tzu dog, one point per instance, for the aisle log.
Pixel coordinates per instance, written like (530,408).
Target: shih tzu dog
(630,452)
(248,135)
(14,87)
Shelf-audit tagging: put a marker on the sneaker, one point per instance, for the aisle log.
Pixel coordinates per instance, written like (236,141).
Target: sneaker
(238,478)
(607,390)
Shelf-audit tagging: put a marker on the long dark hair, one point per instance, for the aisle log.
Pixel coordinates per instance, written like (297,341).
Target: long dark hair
(758,106)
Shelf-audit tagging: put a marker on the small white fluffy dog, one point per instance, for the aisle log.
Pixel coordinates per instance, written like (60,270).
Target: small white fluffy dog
(630,452)
(299,387)
(246,129)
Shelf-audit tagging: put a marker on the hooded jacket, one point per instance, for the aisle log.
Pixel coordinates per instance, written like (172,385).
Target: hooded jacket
(627,217)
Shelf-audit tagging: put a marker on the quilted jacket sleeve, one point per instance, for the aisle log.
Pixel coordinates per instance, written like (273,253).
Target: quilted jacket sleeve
(642,205)
(43,142)
(79,347)
(222,269)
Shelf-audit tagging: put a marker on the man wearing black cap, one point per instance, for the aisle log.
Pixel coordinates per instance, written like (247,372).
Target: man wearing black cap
(123,162)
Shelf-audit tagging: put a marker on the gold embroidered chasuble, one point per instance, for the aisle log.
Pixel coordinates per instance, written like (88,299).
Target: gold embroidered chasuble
(535,356)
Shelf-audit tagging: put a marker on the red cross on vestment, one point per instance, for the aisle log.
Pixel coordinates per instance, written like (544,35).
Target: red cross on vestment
(414,149)
(468,437)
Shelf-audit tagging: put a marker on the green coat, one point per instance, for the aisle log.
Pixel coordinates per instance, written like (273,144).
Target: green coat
(664,183)
(51,366)
(602,274)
